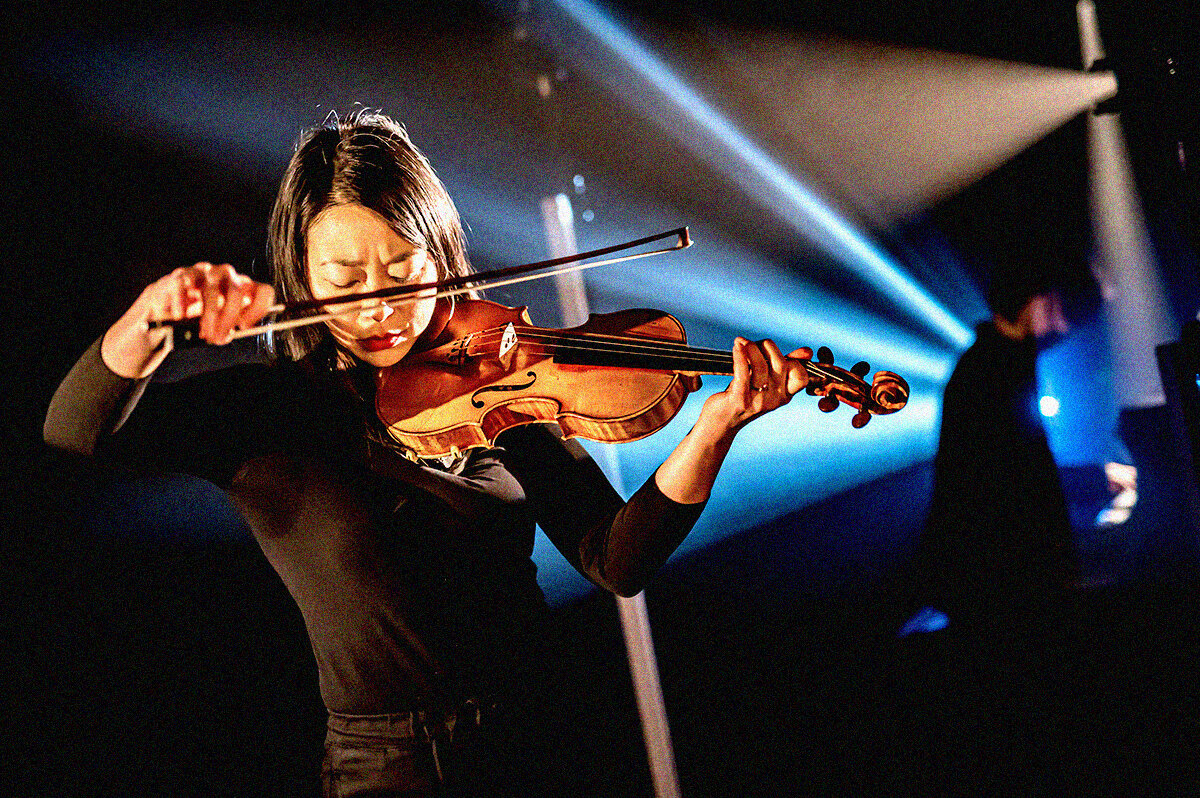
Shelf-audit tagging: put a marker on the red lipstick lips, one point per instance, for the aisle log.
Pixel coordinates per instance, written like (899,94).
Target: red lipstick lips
(379,342)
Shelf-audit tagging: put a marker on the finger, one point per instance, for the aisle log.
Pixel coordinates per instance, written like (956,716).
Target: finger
(235,293)
(186,284)
(184,298)
(173,297)
(156,299)
(210,299)
(797,378)
(741,368)
(760,372)
(262,297)
(778,365)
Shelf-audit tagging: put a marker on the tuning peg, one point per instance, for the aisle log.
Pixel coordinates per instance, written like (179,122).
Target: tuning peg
(824,355)
(828,404)
(860,368)
(860,419)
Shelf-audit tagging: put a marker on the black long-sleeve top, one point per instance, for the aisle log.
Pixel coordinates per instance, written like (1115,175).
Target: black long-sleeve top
(416,583)
(998,528)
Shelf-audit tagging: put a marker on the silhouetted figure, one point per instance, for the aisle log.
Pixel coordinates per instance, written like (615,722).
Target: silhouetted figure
(998,547)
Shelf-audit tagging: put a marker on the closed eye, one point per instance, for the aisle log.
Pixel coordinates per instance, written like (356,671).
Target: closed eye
(407,276)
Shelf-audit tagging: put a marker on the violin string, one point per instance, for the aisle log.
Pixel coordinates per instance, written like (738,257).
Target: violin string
(621,343)
(584,342)
(683,354)
(601,343)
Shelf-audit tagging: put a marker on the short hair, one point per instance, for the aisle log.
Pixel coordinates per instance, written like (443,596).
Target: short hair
(1008,292)
(364,158)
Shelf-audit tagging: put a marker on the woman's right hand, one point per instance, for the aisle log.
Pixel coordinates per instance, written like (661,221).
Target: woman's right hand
(220,297)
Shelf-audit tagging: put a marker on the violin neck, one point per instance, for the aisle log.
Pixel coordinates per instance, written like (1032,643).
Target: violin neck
(629,352)
(602,350)
(651,355)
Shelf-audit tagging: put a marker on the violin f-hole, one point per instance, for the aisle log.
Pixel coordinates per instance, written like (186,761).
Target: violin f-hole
(488,388)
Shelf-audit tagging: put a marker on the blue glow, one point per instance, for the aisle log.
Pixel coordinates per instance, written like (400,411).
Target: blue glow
(926,619)
(1078,373)
(759,300)
(779,464)
(715,139)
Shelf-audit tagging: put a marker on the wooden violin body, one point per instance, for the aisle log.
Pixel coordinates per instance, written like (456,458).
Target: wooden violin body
(497,371)
(617,377)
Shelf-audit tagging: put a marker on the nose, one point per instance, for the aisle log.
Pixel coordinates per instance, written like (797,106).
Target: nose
(377,314)
(377,279)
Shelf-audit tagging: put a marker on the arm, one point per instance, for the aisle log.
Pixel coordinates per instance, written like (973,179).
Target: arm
(97,396)
(619,545)
(763,380)
(91,402)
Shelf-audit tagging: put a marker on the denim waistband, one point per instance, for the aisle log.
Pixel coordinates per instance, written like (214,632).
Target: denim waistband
(409,726)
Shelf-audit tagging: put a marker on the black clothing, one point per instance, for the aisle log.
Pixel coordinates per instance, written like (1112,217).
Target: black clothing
(998,537)
(416,583)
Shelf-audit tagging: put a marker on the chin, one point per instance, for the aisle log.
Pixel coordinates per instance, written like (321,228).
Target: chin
(384,357)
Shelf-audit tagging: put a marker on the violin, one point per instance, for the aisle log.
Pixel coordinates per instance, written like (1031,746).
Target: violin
(617,377)
(481,368)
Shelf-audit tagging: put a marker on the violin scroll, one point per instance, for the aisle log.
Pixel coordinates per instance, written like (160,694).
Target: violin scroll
(887,393)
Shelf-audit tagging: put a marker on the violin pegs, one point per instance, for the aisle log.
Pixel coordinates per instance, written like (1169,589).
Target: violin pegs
(824,355)
(860,368)
(827,404)
(811,389)
(860,419)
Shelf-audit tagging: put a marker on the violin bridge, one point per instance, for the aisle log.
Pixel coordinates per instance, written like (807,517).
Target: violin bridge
(508,342)
(459,350)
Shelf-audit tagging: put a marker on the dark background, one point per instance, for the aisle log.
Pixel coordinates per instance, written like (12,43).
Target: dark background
(148,649)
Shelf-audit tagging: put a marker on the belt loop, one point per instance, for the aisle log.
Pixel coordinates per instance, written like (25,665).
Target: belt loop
(437,760)
(424,733)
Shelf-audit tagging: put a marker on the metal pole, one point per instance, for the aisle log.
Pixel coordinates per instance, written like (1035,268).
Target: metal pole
(559,221)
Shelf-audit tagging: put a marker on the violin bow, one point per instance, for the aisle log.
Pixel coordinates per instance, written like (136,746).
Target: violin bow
(188,329)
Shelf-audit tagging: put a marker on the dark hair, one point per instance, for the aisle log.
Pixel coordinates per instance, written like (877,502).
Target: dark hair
(1015,277)
(364,158)
(1008,294)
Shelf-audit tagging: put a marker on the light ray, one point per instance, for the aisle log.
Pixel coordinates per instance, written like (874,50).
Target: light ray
(893,130)
(1135,302)
(656,90)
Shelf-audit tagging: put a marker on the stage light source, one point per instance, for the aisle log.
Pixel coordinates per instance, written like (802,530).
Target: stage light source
(1135,298)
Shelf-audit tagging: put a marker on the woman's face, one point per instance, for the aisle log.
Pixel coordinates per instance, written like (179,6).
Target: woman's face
(352,249)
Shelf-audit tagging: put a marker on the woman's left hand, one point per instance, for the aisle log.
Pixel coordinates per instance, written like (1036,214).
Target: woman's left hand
(763,380)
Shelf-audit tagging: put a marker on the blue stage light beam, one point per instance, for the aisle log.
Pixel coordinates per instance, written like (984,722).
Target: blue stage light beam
(779,464)
(794,456)
(723,285)
(635,74)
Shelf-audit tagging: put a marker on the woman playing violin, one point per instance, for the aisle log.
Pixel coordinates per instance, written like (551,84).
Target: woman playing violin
(414,578)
